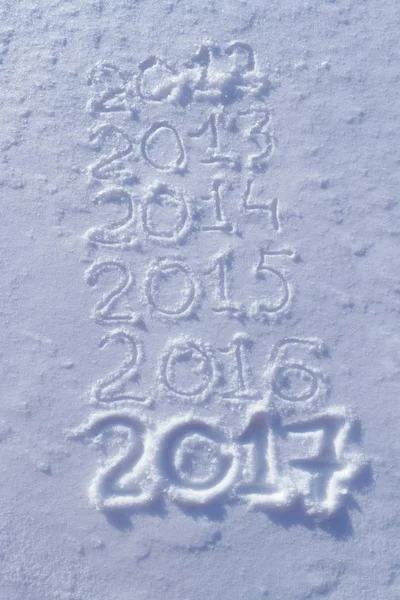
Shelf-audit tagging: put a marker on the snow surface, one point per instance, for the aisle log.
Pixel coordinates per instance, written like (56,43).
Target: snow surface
(200,293)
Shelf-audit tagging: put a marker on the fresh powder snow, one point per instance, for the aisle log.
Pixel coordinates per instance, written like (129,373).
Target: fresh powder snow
(200,369)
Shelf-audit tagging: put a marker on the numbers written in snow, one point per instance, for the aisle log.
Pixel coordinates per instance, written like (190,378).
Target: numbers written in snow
(164,216)
(167,216)
(278,291)
(165,148)
(160,141)
(104,312)
(171,290)
(190,371)
(276,444)
(270,462)
(213,76)
(120,385)
(219,91)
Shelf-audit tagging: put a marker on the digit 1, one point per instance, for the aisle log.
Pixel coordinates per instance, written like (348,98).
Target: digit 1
(259,442)
(222,264)
(221,224)
(238,348)
(209,124)
(212,153)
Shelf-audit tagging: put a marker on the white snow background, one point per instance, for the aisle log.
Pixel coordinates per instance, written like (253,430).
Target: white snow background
(229,173)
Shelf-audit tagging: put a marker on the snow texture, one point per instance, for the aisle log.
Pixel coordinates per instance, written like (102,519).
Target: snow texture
(199,360)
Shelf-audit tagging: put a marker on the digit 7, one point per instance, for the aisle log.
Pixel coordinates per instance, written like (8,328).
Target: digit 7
(333,465)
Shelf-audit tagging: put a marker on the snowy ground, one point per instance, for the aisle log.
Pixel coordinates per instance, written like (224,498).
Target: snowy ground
(200,293)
